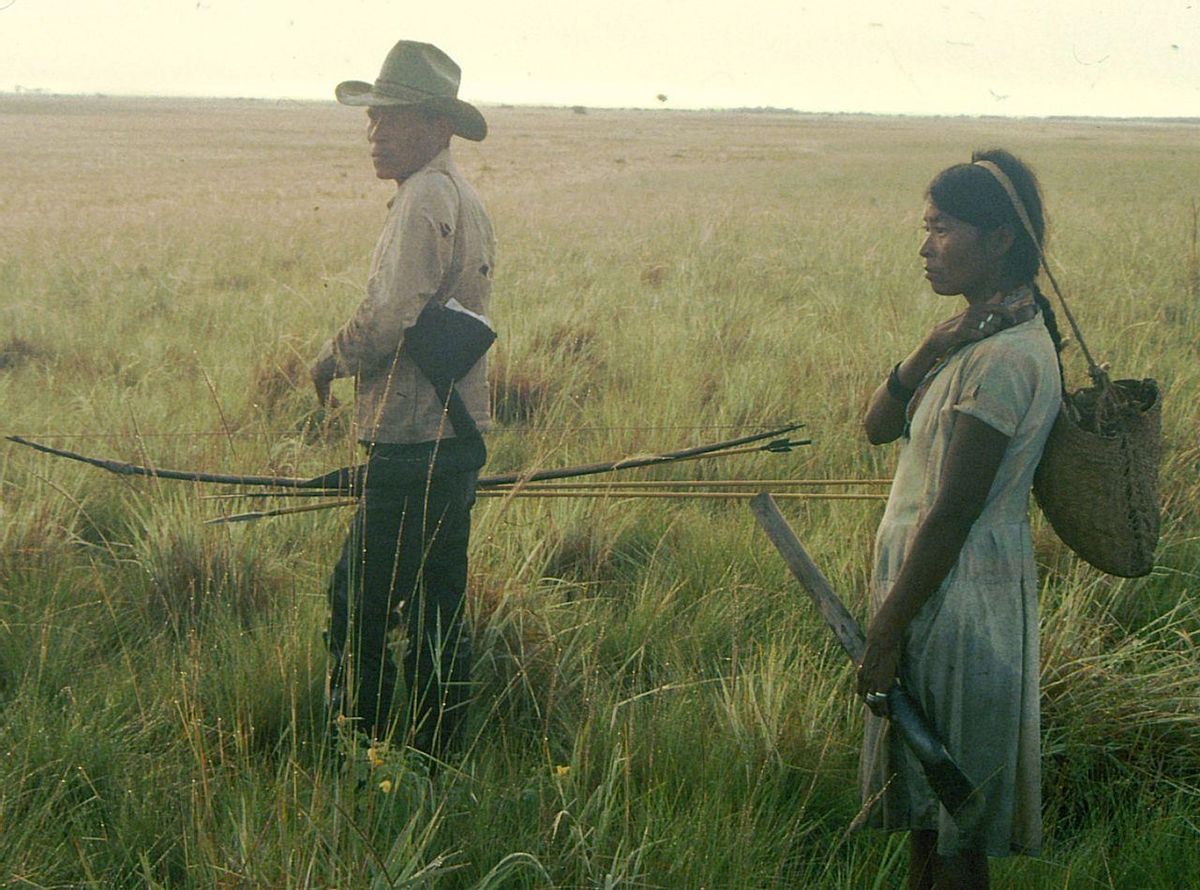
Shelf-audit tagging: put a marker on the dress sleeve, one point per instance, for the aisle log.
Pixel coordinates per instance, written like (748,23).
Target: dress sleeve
(998,386)
(413,258)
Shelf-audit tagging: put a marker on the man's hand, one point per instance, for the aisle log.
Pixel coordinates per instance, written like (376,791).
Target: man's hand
(322,373)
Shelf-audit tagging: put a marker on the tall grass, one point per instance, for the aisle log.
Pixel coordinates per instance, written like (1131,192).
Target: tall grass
(657,705)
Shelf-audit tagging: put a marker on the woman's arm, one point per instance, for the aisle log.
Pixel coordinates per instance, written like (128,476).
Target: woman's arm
(974,456)
(884,420)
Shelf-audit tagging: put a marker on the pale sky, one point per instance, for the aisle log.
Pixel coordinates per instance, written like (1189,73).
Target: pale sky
(1116,58)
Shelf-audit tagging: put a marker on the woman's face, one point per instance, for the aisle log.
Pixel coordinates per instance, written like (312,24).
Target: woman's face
(960,258)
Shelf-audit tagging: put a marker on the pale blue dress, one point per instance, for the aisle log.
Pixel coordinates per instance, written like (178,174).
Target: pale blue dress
(971,652)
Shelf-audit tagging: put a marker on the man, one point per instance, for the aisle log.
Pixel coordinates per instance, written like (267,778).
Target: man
(406,552)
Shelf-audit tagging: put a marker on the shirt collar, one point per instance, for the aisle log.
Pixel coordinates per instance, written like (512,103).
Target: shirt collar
(439,163)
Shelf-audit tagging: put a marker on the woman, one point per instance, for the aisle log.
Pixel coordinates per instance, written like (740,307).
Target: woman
(954,595)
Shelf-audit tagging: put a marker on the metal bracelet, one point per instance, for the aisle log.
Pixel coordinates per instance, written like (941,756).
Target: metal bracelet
(896,389)
(877,703)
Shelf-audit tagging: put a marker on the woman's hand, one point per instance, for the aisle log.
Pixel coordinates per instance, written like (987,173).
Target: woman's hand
(972,461)
(880,664)
(973,323)
(885,418)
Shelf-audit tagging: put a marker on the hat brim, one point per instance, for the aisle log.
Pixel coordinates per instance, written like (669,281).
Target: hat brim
(467,120)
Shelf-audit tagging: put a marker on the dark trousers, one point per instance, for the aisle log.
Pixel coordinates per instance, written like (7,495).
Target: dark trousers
(406,555)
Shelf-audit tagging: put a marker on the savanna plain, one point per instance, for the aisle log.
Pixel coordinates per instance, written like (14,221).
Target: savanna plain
(658,704)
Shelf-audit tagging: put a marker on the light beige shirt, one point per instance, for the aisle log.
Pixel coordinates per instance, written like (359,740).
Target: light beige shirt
(437,240)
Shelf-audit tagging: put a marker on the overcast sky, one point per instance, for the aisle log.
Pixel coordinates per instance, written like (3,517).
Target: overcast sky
(1016,57)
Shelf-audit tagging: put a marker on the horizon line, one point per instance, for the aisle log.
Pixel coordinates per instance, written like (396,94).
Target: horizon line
(580,108)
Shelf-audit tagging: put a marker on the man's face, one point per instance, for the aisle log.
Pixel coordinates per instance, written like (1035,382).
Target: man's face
(403,139)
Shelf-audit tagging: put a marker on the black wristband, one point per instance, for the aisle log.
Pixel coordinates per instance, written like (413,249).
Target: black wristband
(896,389)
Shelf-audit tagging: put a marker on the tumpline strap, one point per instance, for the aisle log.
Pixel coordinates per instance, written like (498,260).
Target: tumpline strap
(1097,373)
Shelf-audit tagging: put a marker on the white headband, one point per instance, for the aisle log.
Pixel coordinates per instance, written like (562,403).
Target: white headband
(1018,205)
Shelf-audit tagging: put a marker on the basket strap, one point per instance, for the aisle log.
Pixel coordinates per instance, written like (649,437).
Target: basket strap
(1097,373)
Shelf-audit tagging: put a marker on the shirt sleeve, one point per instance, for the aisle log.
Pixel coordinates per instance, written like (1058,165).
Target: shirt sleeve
(412,260)
(998,387)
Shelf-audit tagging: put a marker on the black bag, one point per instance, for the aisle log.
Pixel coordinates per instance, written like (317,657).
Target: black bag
(445,343)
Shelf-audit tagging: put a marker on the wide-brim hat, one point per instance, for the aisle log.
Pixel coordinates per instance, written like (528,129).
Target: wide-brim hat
(418,74)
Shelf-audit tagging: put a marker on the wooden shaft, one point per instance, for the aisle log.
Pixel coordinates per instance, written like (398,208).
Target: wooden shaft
(819,590)
(282,511)
(951,785)
(519,493)
(618,493)
(756,484)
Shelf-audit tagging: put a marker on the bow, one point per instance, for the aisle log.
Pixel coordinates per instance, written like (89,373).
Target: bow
(346,480)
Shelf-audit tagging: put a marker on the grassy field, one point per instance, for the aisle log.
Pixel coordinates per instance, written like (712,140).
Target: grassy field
(659,706)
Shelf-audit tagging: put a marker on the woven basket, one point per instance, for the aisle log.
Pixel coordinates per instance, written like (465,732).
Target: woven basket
(1097,481)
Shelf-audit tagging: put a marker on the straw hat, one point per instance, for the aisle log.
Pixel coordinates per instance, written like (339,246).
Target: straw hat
(418,74)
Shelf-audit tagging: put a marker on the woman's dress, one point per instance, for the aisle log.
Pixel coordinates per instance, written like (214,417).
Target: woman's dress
(970,655)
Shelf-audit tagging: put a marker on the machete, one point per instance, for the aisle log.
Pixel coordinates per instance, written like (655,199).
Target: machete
(945,776)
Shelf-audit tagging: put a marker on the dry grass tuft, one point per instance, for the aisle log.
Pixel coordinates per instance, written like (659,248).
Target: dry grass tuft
(193,574)
(708,388)
(277,377)
(1118,708)
(487,593)
(519,660)
(17,352)
(580,555)
(655,275)
(518,395)
(1193,257)
(33,534)
(571,341)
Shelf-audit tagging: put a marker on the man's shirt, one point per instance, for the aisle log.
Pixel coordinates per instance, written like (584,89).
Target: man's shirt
(437,241)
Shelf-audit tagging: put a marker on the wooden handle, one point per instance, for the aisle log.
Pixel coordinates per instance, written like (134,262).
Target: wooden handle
(946,778)
(839,619)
